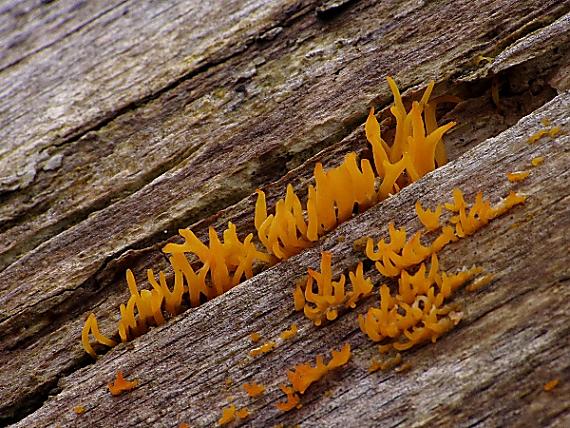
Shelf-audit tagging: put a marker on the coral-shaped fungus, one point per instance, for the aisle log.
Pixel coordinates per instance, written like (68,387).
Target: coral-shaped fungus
(293,400)
(397,254)
(121,385)
(329,295)
(417,312)
(215,268)
(417,147)
(416,150)
(430,219)
(91,326)
(253,389)
(329,202)
(303,375)
(401,253)
(223,264)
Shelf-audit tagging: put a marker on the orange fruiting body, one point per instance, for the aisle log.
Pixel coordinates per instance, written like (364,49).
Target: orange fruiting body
(121,385)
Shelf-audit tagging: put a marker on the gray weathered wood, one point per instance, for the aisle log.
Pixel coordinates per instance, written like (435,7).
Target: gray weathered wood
(490,370)
(105,154)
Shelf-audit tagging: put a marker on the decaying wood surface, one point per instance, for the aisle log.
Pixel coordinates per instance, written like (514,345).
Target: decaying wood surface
(123,121)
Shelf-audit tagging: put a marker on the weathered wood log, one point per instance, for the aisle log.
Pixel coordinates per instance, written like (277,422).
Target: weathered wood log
(183,133)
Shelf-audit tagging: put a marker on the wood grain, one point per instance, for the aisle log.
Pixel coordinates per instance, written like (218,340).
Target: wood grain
(490,370)
(121,122)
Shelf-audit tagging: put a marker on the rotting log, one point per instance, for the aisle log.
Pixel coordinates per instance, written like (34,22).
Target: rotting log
(185,135)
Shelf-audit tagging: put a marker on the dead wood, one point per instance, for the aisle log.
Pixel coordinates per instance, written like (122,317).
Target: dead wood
(109,153)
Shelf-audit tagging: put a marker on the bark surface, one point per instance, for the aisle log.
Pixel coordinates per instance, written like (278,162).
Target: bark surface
(123,121)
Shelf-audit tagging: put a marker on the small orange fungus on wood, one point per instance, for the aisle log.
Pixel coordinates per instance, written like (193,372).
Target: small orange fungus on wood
(430,219)
(293,399)
(323,304)
(303,375)
(299,296)
(400,253)
(254,389)
(79,410)
(480,282)
(537,161)
(537,136)
(553,132)
(513,177)
(255,337)
(183,425)
(288,334)
(228,415)
(387,364)
(263,349)
(550,385)
(417,313)
(121,384)
(91,326)
(243,413)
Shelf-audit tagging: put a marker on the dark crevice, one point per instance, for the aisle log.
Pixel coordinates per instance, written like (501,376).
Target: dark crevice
(31,402)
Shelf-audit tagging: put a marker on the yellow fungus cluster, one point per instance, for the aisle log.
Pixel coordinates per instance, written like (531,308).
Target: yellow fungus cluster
(418,147)
(223,264)
(401,253)
(329,295)
(416,150)
(417,312)
(397,254)
(202,272)
(541,133)
(230,413)
(330,202)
